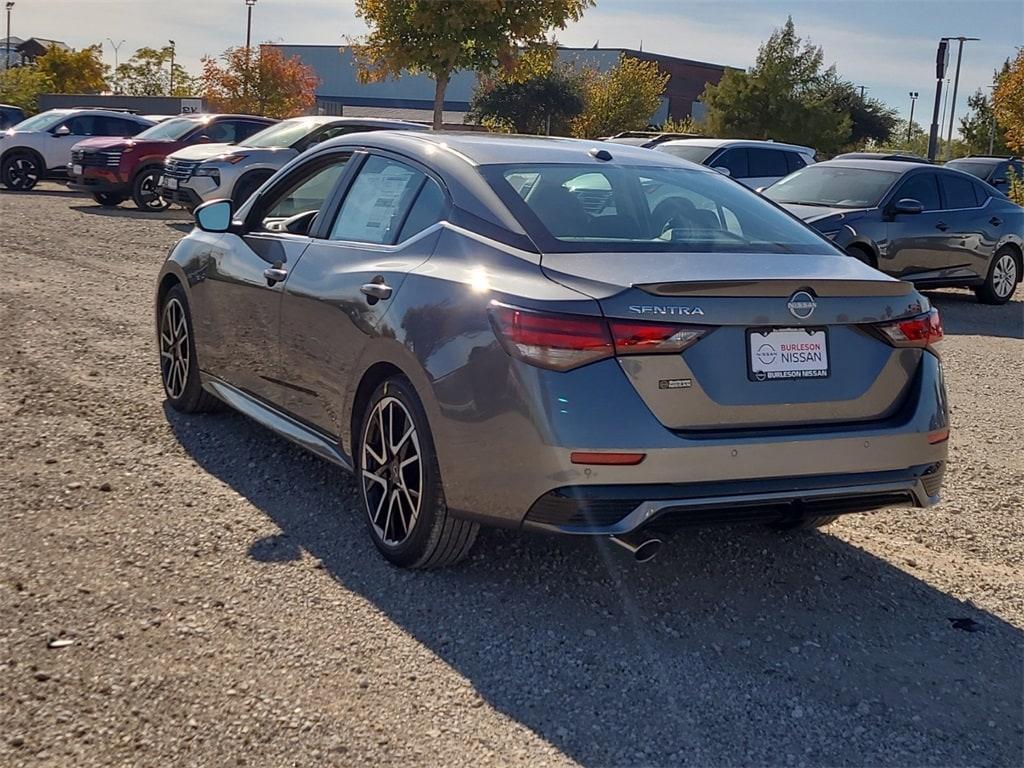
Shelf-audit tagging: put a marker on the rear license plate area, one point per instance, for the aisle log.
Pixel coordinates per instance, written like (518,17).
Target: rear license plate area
(784,354)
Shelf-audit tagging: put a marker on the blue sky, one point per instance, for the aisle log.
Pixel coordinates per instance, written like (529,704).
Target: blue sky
(886,45)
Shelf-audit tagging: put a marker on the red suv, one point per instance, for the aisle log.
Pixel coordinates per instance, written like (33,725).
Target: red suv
(113,170)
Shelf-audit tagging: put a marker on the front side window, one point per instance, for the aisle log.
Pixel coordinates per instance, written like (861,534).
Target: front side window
(375,205)
(922,188)
(766,162)
(570,208)
(115,126)
(832,186)
(733,160)
(307,193)
(957,192)
(83,125)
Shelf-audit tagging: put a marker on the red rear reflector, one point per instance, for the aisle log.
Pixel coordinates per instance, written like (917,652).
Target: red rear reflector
(560,342)
(622,459)
(938,436)
(920,331)
(632,338)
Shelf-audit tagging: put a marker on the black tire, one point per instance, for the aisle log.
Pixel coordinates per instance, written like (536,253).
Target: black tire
(109,199)
(410,531)
(1004,274)
(21,171)
(144,190)
(245,187)
(182,387)
(861,253)
(805,523)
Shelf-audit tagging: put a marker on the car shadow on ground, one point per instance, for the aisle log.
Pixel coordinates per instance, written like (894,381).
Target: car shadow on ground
(729,637)
(170,214)
(963,314)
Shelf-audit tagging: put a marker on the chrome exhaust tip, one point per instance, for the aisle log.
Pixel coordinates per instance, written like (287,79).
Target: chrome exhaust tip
(643,546)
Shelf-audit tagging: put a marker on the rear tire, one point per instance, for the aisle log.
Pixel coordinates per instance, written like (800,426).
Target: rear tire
(805,523)
(400,482)
(21,171)
(144,190)
(109,199)
(1003,276)
(179,366)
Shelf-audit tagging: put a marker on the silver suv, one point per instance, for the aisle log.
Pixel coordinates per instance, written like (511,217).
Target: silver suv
(753,163)
(206,172)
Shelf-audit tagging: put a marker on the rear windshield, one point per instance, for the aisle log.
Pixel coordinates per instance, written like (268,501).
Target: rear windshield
(833,186)
(980,170)
(695,153)
(576,208)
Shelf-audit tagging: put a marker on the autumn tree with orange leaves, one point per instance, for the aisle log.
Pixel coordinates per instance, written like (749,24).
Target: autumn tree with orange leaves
(260,81)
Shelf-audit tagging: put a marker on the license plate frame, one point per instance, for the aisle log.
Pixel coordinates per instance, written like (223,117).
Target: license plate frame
(767,367)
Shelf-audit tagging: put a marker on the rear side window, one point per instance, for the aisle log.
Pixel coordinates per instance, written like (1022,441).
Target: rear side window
(375,205)
(425,212)
(922,188)
(766,162)
(957,192)
(733,159)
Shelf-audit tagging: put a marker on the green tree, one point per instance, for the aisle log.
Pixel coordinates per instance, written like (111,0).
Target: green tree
(148,73)
(979,125)
(21,86)
(621,99)
(784,96)
(538,96)
(870,119)
(439,37)
(74,71)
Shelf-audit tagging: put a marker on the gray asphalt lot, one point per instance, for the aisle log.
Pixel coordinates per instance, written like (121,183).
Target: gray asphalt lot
(225,606)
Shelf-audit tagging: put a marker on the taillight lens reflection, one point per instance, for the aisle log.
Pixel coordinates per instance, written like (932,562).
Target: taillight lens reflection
(919,331)
(563,342)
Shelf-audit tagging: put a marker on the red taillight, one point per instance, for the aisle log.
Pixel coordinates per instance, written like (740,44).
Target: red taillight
(562,342)
(606,458)
(559,342)
(920,331)
(632,338)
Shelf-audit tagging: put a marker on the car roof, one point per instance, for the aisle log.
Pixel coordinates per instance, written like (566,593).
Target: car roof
(478,148)
(735,143)
(869,164)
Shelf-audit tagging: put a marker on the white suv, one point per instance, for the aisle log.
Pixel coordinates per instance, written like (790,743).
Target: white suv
(40,147)
(754,163)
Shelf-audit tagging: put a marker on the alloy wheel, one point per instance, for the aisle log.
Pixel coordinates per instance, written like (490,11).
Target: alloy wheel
(392,471)
(1004,276)
(174,349)
(148,196)
(22,173)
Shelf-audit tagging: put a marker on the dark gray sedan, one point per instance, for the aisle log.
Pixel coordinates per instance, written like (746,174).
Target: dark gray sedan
(933,226)
(553,335)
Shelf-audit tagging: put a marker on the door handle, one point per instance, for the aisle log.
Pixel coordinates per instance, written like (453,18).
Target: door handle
(376,290)
(995,221)
(942,225)
(275,275)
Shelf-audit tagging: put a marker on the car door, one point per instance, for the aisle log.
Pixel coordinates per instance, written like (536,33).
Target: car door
(337,297)
(972,232)
(915,243)
(57,149)
(238,299)
(765,167)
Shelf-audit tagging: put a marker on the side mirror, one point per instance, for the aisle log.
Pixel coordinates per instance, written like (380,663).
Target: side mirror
(214,216)
(722,170)
(62,131)
(907,205)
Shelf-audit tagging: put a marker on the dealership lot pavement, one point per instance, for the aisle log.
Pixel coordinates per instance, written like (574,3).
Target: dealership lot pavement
(224,605)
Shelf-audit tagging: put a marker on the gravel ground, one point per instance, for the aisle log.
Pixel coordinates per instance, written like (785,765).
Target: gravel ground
(194,591)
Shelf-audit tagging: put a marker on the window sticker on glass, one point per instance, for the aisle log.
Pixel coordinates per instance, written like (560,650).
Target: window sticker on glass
(374,205)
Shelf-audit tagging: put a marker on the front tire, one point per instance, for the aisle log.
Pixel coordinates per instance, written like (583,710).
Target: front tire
(144,191)
(109,199)
(179,367)
(21,171)
(1002,278)
(403,496)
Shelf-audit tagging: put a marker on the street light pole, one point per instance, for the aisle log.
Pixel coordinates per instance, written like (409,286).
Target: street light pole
(941,61)
(7,42)
(910,123)
(248,25)
(116,49)
(956,83)
(170,87)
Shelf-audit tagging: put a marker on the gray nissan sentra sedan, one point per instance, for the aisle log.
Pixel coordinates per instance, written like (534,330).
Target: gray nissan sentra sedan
(553,335)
